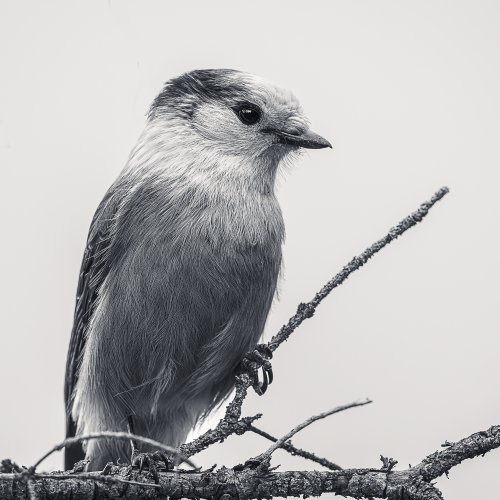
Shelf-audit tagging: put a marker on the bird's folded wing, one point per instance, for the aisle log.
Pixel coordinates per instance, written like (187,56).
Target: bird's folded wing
(94,269)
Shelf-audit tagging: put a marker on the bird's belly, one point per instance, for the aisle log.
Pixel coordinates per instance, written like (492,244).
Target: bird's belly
(189,315)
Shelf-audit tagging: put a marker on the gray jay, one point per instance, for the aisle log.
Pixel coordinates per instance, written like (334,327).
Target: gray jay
(181,262)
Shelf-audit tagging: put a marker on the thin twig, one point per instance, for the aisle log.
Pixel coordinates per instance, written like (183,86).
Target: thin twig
(290,448)
(309,421)
(121,436)
(306,310)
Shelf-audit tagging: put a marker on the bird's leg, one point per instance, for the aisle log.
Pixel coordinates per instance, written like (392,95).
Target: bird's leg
(148,460)
(255,360)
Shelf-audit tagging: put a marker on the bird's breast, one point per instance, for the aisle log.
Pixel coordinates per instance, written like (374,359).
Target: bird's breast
(241,236)
(231,238)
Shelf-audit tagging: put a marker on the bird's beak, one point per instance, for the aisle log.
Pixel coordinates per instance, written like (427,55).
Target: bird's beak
(307,139)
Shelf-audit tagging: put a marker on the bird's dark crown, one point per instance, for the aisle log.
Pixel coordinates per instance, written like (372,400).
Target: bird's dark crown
(183,94)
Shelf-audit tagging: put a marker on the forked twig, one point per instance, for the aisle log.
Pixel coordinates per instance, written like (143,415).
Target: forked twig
(279,443)
(293,450)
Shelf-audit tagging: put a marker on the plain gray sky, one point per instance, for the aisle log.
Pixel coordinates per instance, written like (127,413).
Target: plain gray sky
(409,94)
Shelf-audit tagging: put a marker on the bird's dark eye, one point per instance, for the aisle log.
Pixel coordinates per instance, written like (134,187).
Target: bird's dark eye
(249,115)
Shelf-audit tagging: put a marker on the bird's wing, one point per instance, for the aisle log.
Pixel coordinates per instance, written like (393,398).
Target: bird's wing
(94,269)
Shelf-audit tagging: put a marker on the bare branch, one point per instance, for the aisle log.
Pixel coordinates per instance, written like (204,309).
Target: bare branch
(227,425)
(96,476)
(121,436)
(410,484)
(290,448)
(256,482)
(279,443)
(304,311)
(475,445)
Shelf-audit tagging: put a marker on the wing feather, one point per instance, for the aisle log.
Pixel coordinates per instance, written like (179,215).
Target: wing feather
(94,269)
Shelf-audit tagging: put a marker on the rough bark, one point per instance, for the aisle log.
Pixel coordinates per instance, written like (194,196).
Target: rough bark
(256,482)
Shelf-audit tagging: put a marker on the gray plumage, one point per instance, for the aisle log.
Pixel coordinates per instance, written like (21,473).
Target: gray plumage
(182,261)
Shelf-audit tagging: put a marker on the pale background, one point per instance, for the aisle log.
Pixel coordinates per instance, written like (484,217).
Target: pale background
(409,94)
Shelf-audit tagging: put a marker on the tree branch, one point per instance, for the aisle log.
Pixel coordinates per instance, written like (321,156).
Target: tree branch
(121,436)
(306,310)
(249,481)
(226,484)
(229,423)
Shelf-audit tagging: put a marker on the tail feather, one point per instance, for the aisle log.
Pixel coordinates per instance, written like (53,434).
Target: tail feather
(74,452)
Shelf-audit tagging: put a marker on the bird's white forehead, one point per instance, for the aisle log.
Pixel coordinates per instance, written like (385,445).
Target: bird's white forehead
(267,91)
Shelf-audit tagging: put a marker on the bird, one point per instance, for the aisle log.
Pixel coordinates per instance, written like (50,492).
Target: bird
(181,262)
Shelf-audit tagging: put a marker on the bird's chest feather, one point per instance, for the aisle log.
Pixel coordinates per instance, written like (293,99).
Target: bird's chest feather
(237,242)
(190,247)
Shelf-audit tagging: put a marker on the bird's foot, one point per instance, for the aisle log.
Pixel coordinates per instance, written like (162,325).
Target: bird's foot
(153,462)
(258,359)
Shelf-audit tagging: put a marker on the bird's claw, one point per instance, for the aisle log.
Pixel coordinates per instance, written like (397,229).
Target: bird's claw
(259,358)
(153,461)
(108,468)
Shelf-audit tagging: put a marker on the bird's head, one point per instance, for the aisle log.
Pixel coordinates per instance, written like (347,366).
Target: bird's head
(223,114)
(236,112)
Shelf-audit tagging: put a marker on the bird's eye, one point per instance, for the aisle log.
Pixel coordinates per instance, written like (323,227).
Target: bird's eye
(248,115)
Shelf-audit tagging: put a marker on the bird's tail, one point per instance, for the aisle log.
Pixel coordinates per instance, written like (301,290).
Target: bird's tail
(74,452)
